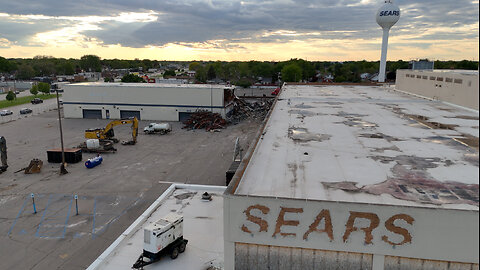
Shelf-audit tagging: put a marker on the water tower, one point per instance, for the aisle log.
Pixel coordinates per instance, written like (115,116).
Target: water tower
(387,16)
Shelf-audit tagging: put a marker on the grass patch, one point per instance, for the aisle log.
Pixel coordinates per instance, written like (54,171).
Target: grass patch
(23,100)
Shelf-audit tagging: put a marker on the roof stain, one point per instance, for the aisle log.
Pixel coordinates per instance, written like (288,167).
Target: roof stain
(380,136)
(303,135)
(303,113)
(303,106)
(412,182)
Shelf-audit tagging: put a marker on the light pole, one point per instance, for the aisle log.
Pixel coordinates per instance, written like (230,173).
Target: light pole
(62,167)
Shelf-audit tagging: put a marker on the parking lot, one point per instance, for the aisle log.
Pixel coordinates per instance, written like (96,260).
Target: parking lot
(109,196)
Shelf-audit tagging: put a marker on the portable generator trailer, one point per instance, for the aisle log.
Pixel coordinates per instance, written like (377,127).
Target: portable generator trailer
(163,237)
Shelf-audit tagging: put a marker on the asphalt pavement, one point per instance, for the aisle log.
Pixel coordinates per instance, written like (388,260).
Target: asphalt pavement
(47,105)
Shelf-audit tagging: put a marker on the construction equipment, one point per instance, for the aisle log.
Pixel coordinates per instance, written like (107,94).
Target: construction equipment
(107,133)
(162,128)
(162,237)
(35,166)
(3,154)
(97,146)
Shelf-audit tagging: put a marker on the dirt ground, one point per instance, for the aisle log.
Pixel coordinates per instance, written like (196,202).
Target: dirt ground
(110,196)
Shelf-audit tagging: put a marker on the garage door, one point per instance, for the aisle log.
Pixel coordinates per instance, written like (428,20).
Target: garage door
(92,114)
(128,114)
(183,116)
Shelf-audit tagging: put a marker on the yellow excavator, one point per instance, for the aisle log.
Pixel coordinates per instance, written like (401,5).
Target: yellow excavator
(107,134)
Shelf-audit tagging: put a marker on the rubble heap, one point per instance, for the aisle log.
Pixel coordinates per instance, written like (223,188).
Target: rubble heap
(205,120)
(243,109)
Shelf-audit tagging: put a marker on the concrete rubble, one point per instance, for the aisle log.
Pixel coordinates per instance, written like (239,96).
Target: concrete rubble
(242,110)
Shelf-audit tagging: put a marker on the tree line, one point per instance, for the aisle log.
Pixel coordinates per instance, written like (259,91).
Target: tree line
(239,73)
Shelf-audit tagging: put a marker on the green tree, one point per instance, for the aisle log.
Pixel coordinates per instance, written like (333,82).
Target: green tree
(291,73)
(5,65)
(194,66)
(91,63)
(10,96)
(25,72)
(211,74)
(132,78)
(201,74)
(169,73)
(243,83)
(34,90)
(44,87)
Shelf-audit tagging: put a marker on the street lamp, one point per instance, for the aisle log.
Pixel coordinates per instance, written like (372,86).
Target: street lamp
(62,167)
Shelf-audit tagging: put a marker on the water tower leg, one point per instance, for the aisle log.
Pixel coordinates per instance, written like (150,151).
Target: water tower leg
(383,59)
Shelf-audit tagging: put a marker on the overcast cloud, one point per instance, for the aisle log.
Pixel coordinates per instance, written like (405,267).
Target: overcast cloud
(156,23)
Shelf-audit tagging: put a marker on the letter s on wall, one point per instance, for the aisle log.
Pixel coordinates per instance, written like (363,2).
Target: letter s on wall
(407,237)
(263,224)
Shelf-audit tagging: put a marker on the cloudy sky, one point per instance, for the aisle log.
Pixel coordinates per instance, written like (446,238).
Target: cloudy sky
(237,29)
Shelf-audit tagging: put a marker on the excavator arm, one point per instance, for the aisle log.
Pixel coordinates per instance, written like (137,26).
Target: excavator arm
(3,154)
(107,133)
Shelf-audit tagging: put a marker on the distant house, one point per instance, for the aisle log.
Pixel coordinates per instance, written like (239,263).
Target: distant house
(191,73)
(423,64)
(89,76)
(369,77)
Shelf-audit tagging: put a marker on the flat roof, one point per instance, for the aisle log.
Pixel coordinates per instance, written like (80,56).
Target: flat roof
(202,227)
(365,144)
(452,71)
(150,85)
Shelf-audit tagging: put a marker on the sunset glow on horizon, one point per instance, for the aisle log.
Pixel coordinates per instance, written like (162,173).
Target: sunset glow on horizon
(242,31)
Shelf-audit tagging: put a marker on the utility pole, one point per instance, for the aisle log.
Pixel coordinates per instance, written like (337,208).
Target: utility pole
(62,167)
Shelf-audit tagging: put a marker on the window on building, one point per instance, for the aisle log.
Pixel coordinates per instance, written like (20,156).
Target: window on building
(424,77)
(419,76)
(448,79)
(458,81)
(440,79)
(407,75)
(469,83)
(432,78)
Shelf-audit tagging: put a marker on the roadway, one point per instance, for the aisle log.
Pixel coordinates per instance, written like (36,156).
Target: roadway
(47,105)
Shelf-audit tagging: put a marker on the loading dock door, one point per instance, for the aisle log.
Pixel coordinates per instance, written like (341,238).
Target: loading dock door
(183,116)
(92,114)
(128,114)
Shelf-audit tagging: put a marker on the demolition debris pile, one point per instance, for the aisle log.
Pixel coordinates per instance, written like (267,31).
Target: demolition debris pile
(205,120)
(242,110)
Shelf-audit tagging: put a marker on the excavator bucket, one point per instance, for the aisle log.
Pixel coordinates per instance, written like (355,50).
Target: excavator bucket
(35,166)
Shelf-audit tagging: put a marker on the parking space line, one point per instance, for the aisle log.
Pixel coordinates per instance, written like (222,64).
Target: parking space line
(68,216)
(94,209)
(43,217)
(18,215)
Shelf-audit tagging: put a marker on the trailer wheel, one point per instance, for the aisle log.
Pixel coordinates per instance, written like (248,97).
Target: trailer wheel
(182,247)
(174,253)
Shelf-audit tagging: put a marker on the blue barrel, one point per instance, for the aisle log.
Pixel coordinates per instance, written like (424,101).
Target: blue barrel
(92,162)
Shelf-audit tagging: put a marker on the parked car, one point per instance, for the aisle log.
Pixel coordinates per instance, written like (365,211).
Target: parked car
(17,92)
(37,101)
(25,111)
(276,91)
(5,112)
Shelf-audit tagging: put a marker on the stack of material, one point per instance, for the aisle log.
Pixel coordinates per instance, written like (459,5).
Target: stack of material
(205,120)
(243,110)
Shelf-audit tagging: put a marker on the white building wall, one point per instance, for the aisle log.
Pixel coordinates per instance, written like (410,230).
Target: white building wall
(155,102)
(456,87)
(427,234)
